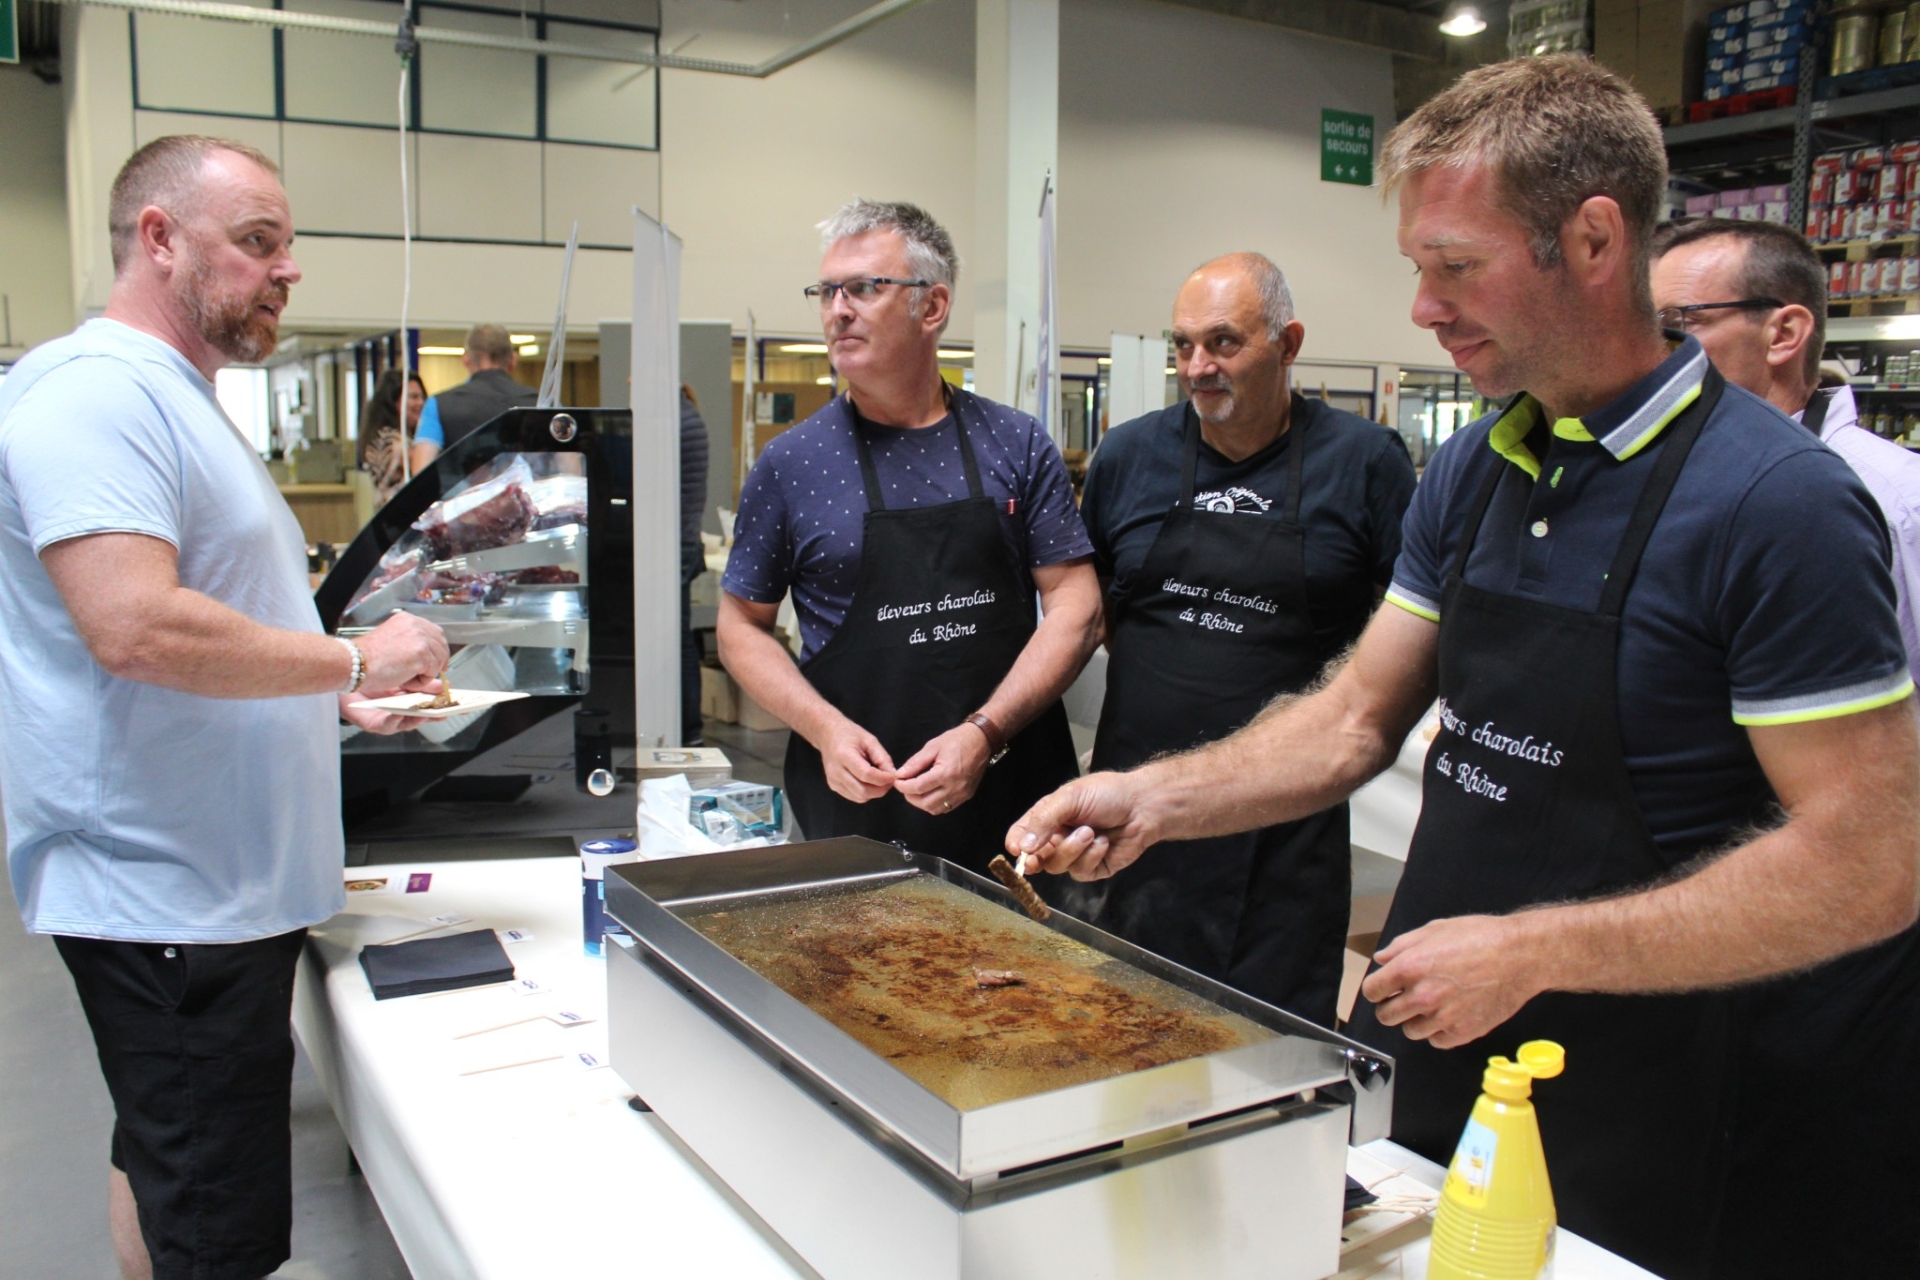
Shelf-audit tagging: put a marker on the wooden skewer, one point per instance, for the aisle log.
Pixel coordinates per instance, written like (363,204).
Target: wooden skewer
(502,1066)
(432,928)
(501,1027)
(443,699)
(1023,893)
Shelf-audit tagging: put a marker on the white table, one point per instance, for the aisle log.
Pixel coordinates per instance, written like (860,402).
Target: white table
(493,1175)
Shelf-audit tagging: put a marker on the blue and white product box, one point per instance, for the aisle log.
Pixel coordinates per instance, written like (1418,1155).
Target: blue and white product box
(595,857)
(734,811)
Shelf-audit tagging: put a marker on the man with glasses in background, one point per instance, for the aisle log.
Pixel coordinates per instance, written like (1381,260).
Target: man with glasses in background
(913,522)
(1755,295)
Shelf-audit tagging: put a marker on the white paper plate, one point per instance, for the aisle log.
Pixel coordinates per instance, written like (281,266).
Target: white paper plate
(465,702)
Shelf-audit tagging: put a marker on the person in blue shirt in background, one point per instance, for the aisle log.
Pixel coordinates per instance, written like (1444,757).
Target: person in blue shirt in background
(490,358)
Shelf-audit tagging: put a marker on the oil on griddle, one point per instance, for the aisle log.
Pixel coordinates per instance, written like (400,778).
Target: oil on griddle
(895,967)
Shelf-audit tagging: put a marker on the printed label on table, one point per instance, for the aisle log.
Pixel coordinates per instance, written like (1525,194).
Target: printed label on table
(451,917)
(590,1061)
(568,1018)
(528,987)
(511,936)
(370,884)
(420,882)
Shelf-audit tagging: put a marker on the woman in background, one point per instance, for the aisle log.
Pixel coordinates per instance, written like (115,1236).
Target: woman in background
(383,446)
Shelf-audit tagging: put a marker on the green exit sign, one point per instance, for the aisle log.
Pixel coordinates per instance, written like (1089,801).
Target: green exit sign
(1346,147)
(9,30)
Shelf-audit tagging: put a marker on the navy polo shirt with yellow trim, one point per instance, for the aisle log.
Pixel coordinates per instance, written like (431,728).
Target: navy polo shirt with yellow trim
(1764,596)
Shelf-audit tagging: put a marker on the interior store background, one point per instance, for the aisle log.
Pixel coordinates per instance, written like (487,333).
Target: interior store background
(1182,133)
(1158,170)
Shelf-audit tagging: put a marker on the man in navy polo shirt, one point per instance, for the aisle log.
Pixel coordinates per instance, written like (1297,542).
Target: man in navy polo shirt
(1675,752)
(1245,535)
(913,524)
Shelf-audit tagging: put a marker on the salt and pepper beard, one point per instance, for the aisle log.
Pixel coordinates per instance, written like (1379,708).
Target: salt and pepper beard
(1214,382)
(227,321)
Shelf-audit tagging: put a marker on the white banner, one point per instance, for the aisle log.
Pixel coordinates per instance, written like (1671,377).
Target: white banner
(656,483)
(1047,359)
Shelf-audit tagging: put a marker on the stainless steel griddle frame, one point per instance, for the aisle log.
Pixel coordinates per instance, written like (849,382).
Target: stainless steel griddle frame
(1230,1163)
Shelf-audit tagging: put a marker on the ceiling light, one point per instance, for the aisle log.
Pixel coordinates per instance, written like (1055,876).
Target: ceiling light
(442,351)
(954,355)
(1104,360)
(521,339)
(1463,20)
(824,380)
(804,349)
(1171,371)
(531,349)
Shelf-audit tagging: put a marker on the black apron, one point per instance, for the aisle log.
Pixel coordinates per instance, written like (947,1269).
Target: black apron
(938,618)
(1216,624)
(1526,800)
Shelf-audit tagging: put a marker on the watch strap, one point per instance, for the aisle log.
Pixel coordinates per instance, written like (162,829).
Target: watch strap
(996,740)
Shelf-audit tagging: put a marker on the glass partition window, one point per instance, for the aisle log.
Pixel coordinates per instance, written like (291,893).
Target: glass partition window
(499,564)
(171,57)
(491,91)
(612,103)
(337,78)
(322,77)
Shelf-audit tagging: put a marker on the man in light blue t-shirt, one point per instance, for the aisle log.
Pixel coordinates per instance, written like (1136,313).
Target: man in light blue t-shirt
(169,754)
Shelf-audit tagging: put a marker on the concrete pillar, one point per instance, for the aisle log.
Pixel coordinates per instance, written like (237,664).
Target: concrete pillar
(1017,142)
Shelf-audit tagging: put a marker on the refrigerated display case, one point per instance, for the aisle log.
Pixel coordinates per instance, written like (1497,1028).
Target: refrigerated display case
(518,542)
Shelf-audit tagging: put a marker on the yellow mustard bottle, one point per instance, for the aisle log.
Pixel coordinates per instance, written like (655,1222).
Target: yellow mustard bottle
(1496,1219)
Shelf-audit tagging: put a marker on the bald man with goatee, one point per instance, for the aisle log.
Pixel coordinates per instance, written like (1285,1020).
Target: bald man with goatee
(1243,537)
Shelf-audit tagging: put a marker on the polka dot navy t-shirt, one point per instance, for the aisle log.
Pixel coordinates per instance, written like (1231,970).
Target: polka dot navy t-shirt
(803,507)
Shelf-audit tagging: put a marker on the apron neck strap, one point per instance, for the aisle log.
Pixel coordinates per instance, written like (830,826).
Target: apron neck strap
(1680,435)
(871,477)
(1475,514)
(1814,416)
(1190,457)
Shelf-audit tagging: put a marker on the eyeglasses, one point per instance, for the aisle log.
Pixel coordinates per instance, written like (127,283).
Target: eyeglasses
(1681,317)
(860,290)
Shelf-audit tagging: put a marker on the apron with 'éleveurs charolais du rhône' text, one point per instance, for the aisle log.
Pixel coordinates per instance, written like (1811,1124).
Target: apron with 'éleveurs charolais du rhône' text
(939,615)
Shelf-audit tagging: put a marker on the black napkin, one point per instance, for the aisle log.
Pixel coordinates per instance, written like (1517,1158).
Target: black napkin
(471,959)
(1357,1195)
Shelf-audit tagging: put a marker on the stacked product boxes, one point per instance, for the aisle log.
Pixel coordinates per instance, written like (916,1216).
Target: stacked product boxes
(1868,194)
(1755,46)
(1748,204)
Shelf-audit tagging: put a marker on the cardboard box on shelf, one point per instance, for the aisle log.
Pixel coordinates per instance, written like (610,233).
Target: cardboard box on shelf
(1616,36)
(1670,52)
(719,697)
(756,717)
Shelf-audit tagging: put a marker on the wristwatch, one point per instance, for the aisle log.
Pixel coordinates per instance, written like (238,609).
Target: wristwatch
(996,740)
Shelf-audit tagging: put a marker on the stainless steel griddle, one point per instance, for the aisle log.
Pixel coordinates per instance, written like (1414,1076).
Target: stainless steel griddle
(1221,1164)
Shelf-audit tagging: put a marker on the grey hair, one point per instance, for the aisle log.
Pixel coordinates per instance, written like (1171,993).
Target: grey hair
(1276,299)
(930,254)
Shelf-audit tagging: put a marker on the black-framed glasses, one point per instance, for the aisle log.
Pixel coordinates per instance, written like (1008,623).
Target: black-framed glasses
(1681,318)
(860,290)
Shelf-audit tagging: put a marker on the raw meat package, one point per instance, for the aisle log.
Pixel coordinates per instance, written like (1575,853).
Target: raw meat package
(559,500)
(497,513)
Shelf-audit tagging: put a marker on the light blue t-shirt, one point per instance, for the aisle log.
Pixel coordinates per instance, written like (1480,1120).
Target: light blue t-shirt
(430,431)
(136,812)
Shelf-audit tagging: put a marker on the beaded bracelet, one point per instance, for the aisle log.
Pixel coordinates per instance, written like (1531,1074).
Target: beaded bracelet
(359,665)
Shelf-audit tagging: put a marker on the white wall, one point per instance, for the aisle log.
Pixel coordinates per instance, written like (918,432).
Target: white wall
(33,212)
(749,166)
(1183,135)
